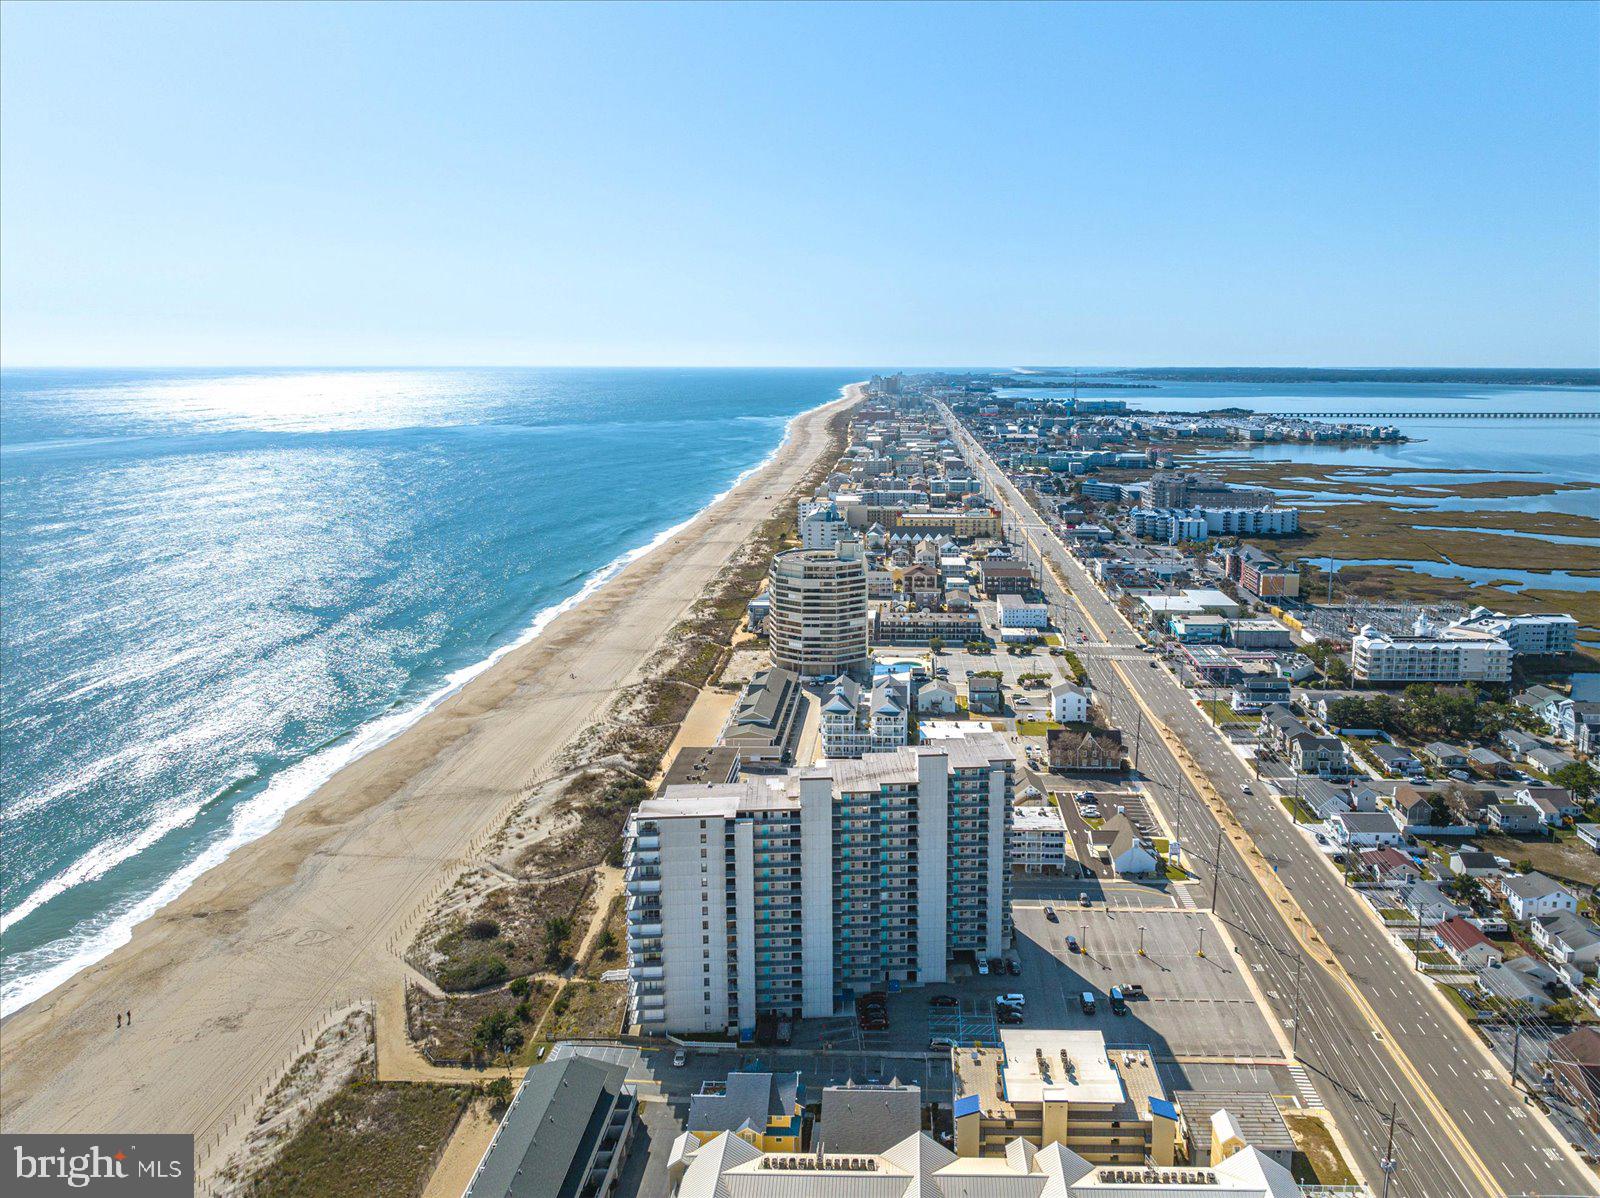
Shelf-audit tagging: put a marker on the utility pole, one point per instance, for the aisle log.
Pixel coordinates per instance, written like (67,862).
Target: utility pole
(1216,872)
(1516,1053)
(1416,943)
(1387,1164)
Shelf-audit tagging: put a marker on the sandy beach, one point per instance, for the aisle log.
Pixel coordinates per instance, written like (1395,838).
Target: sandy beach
(224,982)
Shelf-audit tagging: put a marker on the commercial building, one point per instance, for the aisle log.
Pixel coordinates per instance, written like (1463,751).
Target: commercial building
(817,625)
(1260,634)
(1062,1087)
(792,894)
(1454,655)
(567,1131)
(1038,839)
(1249,521)
(857,719)
(1191,601)
(1528,635)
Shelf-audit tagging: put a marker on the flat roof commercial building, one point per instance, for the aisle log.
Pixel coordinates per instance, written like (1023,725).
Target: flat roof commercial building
(794,893)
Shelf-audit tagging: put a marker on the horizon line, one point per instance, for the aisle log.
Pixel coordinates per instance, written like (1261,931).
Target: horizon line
(1595,369)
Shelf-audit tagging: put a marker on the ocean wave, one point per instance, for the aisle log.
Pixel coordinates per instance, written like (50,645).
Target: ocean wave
(42,969)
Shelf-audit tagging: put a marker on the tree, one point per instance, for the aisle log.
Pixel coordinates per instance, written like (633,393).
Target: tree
(934,645)
(1337,670)
(499,1093)
(1581,778)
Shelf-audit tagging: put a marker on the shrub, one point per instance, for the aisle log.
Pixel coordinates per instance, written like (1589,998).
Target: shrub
(483,929)
(473,973)
(519,987)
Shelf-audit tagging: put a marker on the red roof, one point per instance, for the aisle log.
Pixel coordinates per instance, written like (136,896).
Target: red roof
(1389,858)
(1461,935)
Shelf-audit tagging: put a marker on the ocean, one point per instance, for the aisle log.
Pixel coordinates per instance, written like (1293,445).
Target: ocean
(219,586)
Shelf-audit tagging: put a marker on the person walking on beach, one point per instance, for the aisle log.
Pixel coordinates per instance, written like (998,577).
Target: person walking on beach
(119,1020)
(130,1018)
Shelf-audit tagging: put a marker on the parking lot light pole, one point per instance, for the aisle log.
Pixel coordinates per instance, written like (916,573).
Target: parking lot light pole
(1141,940)
(1201,951)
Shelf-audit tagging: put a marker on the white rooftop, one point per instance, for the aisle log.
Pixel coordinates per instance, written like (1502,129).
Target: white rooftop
(1091,1079)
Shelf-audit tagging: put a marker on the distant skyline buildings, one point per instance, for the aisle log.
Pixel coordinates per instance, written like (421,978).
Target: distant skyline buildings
(799,185)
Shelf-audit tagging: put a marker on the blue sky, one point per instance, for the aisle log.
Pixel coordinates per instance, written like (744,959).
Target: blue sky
(1006,185)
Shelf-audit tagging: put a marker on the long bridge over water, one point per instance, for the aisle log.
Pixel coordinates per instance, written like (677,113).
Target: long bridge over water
(1485,415)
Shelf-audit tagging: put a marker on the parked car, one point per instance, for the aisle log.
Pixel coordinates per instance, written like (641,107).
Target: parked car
(680,1059)
(944,1000)
(1086,1002)
(983,967)
(940,1043)
(1119,1005)
(996,965)
(1014,967)
(1011,1000)
(1050,914)
(785,1032)
(1084,900)
(1072,944)
(1009,1015)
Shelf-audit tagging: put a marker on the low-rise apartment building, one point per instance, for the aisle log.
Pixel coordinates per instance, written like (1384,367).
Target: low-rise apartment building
(794,893)
(1260,573)
(1533,634)
(903,625)
(1038,839)
(857,720)
(1454,655)
(1062,1087)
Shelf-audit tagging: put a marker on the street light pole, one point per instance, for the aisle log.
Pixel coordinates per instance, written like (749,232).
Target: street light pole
(1141,940)
(1294,1047)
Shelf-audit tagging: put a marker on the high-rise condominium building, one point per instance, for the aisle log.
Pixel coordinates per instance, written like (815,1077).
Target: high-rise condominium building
(795,893)
(817,624)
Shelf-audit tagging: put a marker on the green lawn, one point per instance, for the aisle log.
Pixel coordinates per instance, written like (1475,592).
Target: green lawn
(1221,713)
(1035,727)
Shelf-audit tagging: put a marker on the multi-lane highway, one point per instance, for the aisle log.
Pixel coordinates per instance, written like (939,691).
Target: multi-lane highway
(1376,1037)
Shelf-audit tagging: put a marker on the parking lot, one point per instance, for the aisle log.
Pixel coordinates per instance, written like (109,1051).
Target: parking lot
(1193,1006)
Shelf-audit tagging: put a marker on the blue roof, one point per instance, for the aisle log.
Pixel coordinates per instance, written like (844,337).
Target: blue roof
(1160,1106)
(967,1104)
